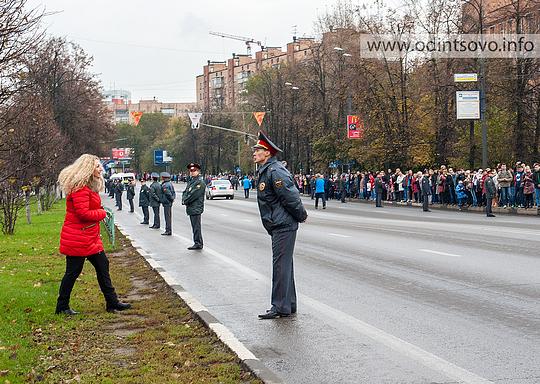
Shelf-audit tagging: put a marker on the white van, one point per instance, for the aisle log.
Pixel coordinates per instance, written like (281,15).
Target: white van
(123,176)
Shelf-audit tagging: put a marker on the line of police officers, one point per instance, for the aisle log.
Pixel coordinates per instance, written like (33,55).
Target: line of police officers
(163,194)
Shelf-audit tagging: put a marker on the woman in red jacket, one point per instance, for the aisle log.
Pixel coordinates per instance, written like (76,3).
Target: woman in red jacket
(80,238)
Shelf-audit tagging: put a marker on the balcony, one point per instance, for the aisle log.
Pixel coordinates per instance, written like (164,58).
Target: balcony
(217,82)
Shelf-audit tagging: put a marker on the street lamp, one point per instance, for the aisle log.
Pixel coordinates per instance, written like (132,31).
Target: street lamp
(338,49)
(347,55)
(287,83)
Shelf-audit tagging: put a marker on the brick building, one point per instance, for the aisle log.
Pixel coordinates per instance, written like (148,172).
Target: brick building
(223,83)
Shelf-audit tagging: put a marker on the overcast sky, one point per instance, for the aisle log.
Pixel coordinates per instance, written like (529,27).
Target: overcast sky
(156,48)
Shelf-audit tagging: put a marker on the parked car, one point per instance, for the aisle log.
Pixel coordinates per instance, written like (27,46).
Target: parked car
(219,188)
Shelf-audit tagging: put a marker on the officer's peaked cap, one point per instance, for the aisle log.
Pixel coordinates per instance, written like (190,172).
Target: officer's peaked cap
(154,174)
(264,142)
(193,166)
(165,174)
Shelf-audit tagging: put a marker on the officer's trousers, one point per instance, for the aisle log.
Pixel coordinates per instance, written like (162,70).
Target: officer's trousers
(156,216)
(489,202)
(378,199)
(197,231)
(119,200)
(167,212)
(425,202)
(131,206)
(283,287)
(146,215)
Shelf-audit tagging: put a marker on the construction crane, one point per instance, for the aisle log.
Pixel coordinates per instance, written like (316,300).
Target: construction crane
(247,40)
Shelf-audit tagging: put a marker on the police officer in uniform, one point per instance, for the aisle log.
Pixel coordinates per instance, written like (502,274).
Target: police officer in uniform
(118,189)
(112,185)
(425,188)
(155,198)
(491,191)
(281,210)
(378,190)
(167,199)
(130,194)
(144,200)
(193,199)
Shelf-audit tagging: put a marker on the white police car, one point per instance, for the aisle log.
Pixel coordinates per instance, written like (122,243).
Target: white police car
(219,188)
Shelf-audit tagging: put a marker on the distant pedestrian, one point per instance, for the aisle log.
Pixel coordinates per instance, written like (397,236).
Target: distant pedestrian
(144,200)
(80,238)
(246,183)
(193,199)
(460,194)
(319,191)
(281,210)
(155,199)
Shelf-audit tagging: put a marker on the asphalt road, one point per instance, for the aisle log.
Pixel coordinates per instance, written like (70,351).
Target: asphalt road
(386,295)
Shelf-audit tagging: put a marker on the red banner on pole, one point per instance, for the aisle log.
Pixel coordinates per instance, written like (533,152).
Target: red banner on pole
(136,117)
(355,127)
(259,116)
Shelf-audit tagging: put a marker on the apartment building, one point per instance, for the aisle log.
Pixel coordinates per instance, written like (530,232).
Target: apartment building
(223,84)
(500,16)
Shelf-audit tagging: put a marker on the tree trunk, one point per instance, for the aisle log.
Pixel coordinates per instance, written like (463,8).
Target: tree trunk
(27,204)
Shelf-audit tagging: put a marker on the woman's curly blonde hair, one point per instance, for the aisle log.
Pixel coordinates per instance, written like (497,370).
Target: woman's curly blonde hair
(81,174)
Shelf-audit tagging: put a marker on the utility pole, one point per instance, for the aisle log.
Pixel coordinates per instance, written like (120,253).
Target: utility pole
(483,92)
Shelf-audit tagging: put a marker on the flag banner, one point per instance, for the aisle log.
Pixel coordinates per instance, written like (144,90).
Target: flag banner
(195,117)
(355,127)
(136,116)
(259,116)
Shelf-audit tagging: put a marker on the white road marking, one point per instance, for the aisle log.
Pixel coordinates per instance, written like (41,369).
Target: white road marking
(440,253)
(338,235)
(401,346)
(224,214)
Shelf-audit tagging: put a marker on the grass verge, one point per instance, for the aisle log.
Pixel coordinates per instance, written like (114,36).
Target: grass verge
(158,341)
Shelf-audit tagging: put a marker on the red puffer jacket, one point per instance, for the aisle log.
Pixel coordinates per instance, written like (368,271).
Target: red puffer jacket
(80,233)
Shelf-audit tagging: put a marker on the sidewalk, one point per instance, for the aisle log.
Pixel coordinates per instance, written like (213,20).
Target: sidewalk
(496,210)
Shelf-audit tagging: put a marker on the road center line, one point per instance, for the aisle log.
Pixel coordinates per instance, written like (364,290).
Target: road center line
(395,343)
(440,253)
(338,235)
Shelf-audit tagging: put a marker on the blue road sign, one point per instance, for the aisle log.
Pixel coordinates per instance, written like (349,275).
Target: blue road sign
(158,156)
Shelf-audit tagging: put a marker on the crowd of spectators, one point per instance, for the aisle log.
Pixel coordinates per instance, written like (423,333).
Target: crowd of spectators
(517,186)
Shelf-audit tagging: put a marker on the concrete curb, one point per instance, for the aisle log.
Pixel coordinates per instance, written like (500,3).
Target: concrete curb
(246,357)
(496,210)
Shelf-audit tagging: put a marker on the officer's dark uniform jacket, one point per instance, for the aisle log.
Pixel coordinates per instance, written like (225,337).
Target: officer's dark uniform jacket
(155,194)
(118,189)
(278,198)
(425,185)
(490,187)
(144,196)
(130,191)
(378,185)
(193,196)
(168,195)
